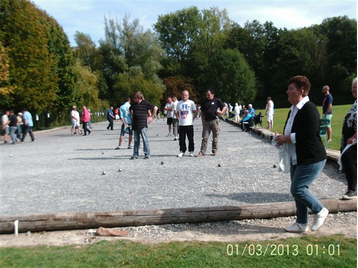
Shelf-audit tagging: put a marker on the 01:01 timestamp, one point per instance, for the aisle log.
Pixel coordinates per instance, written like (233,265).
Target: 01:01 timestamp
(330,250)
(283,249)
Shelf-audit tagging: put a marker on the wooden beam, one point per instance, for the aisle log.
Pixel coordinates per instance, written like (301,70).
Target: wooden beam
(85,220)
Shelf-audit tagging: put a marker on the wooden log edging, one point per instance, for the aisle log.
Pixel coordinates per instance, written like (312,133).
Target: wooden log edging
(77,220)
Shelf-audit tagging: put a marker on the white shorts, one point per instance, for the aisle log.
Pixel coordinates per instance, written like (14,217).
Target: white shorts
(75,124)
(117,117)
(269,117)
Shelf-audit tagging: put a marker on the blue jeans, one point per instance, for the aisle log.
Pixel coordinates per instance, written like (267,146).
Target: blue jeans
(144,134)
(12,134)
(301,178)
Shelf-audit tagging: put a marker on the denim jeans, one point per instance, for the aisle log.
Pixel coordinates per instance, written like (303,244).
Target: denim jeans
(301,178)
(27,129)
(144,134)
(12,134)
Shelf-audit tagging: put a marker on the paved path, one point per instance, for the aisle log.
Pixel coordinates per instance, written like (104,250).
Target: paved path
(63,173)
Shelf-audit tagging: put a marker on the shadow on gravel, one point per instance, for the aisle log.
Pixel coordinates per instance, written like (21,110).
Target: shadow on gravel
(95,149)
(256,197)
(228,228)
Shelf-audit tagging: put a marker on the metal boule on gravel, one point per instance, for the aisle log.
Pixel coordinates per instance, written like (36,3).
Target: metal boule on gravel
(119,170)
(219,165)
(104,173)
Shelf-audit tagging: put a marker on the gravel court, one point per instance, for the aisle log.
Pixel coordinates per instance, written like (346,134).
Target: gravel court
(64,173)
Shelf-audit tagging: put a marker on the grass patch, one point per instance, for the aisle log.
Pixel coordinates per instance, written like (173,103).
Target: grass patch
(305,251)
(339,112)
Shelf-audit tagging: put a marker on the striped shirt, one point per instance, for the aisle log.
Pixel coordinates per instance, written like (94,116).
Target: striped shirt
(140,114)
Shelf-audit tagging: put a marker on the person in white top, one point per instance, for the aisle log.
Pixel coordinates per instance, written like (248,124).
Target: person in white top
(237,111)
(269,112)
(175,119)
(168,109)
(5,125)
(75,121)
(186,113)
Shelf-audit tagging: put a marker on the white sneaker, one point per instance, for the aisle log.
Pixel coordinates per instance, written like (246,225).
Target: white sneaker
(181,154)
(297,228)
(191,153)
(319,219)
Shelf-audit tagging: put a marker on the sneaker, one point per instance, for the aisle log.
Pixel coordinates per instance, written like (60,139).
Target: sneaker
(319,219)
(297,228)
(129,147)
(169,135)
(191,154)
(214,153)
(117,148)
(200,154)
(175,139)
(134,157)
(146,156)
(181,154)
(349,195)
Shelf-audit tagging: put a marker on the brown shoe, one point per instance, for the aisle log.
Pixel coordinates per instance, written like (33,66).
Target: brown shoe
(200,154)
(215,153)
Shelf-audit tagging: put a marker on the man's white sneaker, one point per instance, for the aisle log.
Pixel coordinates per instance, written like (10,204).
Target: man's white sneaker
(319,219)
(297,228)
(191,153)
(181,154)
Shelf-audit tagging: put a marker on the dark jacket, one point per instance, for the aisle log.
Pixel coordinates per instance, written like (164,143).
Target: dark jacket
(309,146)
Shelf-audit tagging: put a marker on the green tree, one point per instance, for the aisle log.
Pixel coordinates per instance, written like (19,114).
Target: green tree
(341,33)
(41,60)
(23,29)
(231,77)
(190,38)
(5,88)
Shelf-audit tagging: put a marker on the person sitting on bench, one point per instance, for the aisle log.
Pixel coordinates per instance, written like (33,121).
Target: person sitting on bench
(247,121)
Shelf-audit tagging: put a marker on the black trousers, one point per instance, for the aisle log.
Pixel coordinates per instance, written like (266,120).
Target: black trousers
(349,162)
(26,130)
(85,128)
(186,131)
(110,125)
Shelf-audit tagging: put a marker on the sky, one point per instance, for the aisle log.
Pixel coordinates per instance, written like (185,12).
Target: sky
(87,16)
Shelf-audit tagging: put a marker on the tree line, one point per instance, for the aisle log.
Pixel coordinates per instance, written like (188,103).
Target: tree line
(188,49)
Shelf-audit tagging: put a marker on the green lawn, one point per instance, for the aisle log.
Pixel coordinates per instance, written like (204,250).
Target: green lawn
(303,251)
(339,112)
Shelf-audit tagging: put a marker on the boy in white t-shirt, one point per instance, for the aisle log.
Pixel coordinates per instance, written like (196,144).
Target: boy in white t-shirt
(186,113)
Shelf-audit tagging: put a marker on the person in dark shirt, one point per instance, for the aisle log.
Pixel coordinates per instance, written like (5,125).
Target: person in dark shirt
(327,110)
(305,153)
(110,118)
(140,110)
(211,109)
(349,147)
(13,126)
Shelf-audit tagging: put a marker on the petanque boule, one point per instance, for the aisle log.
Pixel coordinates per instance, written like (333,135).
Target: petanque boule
(162,163)
(119,170)
(219,165)
(104,173)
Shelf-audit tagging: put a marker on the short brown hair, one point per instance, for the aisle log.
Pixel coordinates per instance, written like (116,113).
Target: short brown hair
(301,82)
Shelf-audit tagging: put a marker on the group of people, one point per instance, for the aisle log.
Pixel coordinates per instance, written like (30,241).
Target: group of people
(21,124)
(303,152)
(181,115)
(76,120)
